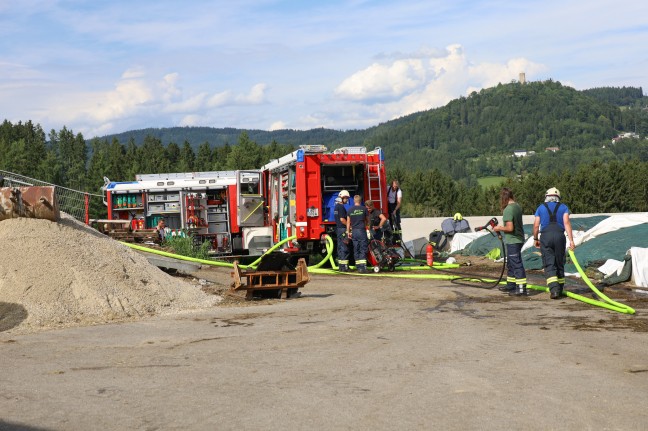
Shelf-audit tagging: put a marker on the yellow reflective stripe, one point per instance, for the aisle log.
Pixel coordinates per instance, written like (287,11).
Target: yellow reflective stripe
(343,262)
(552,280)
(361,262)
(520,281)
(510,279)
(561,280)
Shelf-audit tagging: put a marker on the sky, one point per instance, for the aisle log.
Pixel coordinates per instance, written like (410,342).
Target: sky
(109,66)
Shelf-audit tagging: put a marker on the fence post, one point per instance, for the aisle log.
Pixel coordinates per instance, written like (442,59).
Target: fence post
(86,199)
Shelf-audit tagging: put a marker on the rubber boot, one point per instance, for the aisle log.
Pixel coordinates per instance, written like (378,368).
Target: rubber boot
(508,287)
(520,290)
(362,269)
(556,292)
(344,268)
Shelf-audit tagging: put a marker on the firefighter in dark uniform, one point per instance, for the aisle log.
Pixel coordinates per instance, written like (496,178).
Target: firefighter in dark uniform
(341,222)
(357,222)
(377,221)
(552,221)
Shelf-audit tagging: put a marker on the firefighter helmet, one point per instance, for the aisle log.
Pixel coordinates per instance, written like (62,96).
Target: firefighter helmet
(553,192)
(344,194)
(458,217)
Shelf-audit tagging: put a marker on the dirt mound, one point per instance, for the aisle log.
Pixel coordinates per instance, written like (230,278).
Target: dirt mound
(64,274)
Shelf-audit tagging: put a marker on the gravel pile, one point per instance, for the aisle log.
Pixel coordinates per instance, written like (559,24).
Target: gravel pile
(66,274)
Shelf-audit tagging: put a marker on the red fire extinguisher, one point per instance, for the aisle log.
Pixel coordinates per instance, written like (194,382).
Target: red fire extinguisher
(429,251)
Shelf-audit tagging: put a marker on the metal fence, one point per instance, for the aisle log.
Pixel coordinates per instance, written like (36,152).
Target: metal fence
(73,202)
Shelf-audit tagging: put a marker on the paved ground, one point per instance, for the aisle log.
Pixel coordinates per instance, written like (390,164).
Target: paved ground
(351,353)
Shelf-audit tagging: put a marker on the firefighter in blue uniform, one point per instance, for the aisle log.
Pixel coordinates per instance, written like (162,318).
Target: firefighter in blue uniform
(340,214)
(357,222)
(552,221)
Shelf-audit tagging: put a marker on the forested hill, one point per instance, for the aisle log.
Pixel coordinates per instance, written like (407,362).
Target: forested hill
(221,136)
(499,120)
(471,135)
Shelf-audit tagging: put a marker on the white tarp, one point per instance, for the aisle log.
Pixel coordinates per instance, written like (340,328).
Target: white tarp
(461,240)
(639,266)
(611,266)
(612,224)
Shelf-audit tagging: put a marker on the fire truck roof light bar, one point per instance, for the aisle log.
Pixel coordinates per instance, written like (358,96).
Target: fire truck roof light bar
(350,150)
(313,148)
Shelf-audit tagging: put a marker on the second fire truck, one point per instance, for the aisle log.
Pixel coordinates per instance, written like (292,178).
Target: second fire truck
(302,186)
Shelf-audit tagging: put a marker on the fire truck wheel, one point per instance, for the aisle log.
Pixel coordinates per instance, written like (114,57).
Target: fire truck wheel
(376,268)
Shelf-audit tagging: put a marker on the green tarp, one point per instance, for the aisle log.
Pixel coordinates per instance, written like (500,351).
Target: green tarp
(595,252)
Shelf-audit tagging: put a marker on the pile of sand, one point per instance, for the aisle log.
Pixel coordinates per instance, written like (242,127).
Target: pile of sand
(65,273)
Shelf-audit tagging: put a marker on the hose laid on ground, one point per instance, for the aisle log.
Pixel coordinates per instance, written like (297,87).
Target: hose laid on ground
(605,303)
(204,261)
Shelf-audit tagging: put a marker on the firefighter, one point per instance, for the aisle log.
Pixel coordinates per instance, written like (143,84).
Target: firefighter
(552,221)
(394,200)
(357,223)
(377,220)
(341,230)
(514,239)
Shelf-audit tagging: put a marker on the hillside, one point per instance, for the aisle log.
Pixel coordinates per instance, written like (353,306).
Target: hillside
(502,119)
(470,136)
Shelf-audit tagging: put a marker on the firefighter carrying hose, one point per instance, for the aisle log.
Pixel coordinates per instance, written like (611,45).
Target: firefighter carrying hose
(552,221)
(340,214)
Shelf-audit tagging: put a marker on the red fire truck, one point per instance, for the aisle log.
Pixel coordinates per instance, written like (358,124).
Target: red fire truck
(226,208)
(302,186)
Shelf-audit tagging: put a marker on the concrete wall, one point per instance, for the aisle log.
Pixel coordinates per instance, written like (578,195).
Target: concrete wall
(414,228)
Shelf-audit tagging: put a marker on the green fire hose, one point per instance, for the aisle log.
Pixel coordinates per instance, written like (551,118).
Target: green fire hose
(404,272)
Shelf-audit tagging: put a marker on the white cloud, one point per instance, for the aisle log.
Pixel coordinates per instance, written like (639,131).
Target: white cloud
(136,98)
(425,80)
(278,125)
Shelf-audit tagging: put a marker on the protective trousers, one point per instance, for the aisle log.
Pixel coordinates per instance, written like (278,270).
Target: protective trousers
(552,246)
(360,243)
(395,221)
(342,248)
(516,274)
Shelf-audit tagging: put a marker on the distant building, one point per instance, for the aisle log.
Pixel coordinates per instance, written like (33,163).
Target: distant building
(626,135)
(520,153)
(522,78)
(552,149)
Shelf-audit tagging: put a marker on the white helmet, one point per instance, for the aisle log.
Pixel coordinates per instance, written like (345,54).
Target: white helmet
(553,192)
(344,194)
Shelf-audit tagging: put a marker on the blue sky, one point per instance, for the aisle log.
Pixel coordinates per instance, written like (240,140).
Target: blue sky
(100,67)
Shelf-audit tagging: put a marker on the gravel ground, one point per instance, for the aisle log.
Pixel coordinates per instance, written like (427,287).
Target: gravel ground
(350,353)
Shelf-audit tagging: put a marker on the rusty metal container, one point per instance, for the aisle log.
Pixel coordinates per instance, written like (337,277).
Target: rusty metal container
(31,202)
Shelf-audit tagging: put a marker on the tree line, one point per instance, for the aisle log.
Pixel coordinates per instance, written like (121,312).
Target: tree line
(65,159)
(590,188)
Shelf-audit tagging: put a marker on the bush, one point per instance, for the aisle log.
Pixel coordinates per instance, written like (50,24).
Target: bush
(186,246)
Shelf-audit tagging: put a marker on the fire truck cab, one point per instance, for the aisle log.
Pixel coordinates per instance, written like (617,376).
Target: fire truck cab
(303,185)
(226,208)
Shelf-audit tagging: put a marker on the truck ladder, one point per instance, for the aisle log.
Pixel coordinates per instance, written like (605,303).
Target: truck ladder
(373,178)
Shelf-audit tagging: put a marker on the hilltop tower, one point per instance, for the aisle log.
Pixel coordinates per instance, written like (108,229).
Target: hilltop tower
(522,78)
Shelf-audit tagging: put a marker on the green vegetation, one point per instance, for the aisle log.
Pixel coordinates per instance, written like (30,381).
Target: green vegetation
(447,159)
(185,246)
(491,181)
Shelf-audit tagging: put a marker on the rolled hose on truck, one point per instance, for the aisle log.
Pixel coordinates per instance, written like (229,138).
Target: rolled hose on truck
(605,302)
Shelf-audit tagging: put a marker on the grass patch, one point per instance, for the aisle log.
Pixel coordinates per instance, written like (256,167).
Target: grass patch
(490,181)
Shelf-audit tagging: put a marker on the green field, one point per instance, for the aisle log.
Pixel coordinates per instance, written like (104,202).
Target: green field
(490,181)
